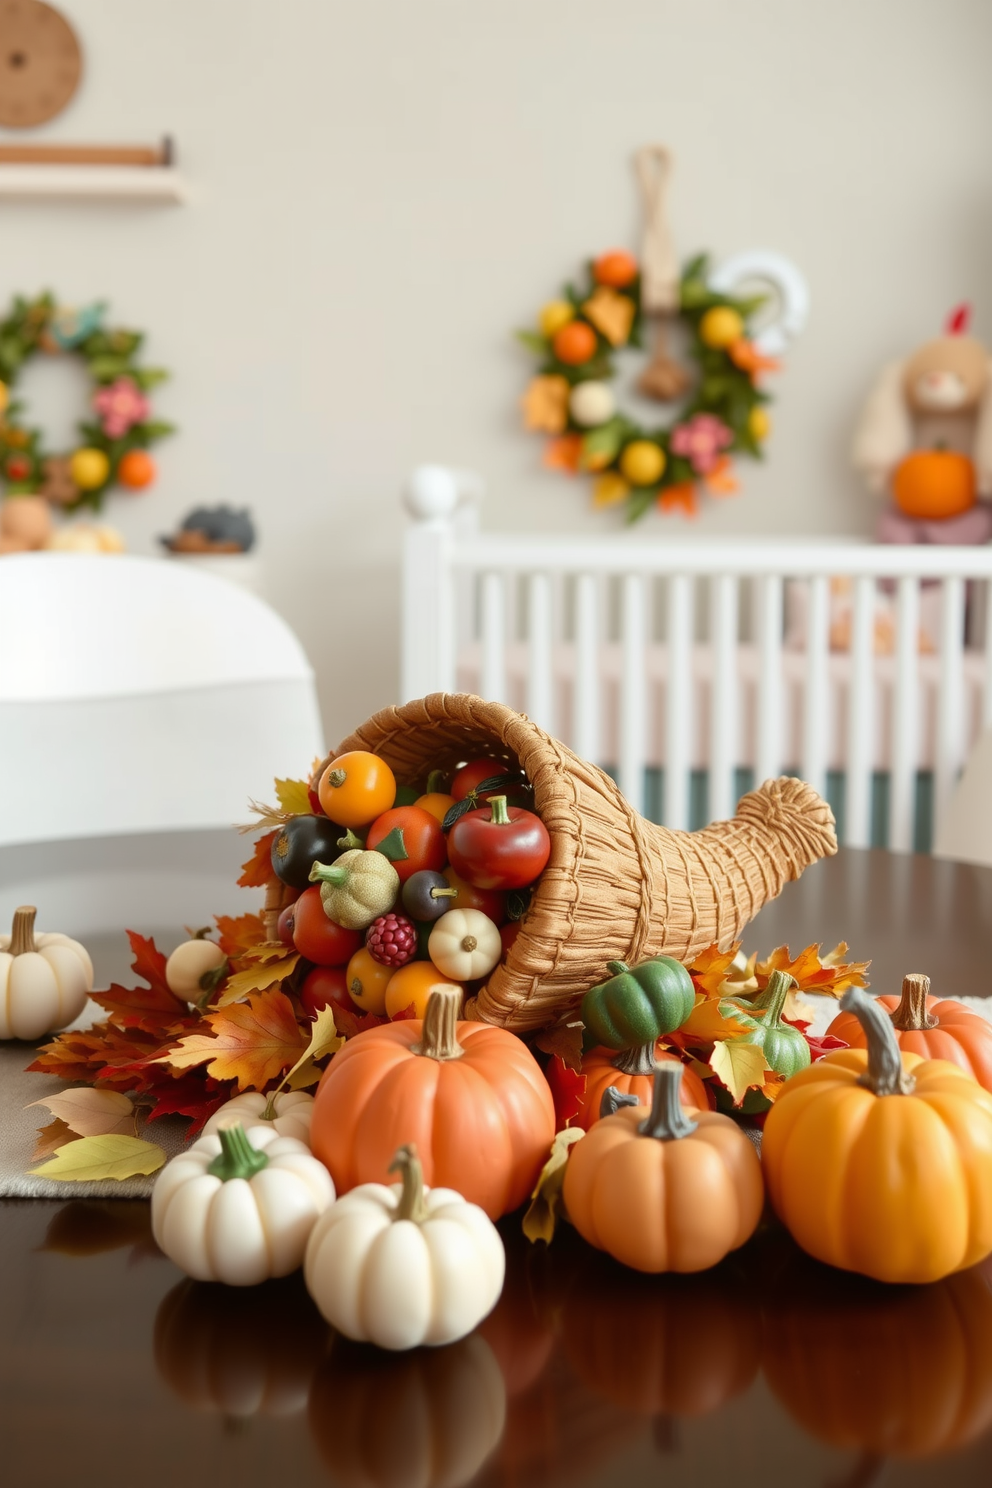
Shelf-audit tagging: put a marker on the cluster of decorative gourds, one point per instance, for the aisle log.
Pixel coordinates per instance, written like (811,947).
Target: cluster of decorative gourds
(399,889)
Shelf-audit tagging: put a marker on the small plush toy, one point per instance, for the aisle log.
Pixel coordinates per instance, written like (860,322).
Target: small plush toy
(925,441)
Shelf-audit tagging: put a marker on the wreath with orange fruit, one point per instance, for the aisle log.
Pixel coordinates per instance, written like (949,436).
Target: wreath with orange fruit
(722,408)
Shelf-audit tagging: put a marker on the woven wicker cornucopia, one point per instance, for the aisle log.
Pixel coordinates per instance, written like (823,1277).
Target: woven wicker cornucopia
(617,887)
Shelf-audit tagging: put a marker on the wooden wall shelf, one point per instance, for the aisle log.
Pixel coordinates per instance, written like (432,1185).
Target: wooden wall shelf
(160,183)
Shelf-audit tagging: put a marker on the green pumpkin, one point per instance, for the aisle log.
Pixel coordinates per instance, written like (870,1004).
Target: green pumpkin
(637,1005)
(785,1049)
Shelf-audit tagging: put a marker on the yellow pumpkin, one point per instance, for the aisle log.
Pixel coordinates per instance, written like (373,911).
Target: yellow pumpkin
(881,1162)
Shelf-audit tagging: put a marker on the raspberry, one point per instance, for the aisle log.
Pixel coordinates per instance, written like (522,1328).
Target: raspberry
(392,940)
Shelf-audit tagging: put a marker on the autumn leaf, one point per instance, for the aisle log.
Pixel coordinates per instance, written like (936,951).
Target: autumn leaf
(250,1042)
(92,1113)
(568,1086)
(324,1040)
(351,1023)
(149,961)
(820,1044)
(710,1019)
(830,975)
(405,1015)
(96,1158)
(237,935)
(257,977)
(739,1065)
(564,1041)
(191,1095)
(255,874)
(546,1201)
(293,796)
(155,1007)
(711,968)
(51,1138)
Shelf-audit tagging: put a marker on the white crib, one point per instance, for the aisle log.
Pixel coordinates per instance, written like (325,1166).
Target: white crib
(651,656)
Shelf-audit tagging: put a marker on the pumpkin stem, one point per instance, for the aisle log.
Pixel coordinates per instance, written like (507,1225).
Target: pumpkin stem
(613,1100)
(411,1202)
(329,873)
(22,930)
(439,1030)
(237,1157)
(667,1120)
(637,1061)
(498,813)
(617,968)
(885,1074)
(772,999)
(912,1014)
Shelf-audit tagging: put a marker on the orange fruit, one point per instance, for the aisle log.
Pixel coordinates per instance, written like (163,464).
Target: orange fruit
(574,343)
(436,802)
(412,984)
(356,788)
(136,470)
(617,268)
(934,484)
(367,980)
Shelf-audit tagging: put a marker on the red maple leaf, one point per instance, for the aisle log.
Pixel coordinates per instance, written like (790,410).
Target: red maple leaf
(193,1095)
(154,1008)
(567,1089)
(348,1024)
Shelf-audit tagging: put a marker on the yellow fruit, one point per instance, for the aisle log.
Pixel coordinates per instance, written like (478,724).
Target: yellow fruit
(609,489)
(90,468)
(554,315)
(642,462)
(759,424)
(721,326)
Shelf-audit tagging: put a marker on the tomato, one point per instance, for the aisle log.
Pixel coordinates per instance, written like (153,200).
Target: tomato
(436,802)
(499,847)
(422,839)
(367,982)
(492,905)
(412,984)
(356,788)
(473,774)
(326,986)
(508,935)
(318,938)
(284,926)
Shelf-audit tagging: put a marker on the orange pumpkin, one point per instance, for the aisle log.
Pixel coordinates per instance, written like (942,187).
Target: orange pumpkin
(471,1097)
(631,1072)
(934,484)
(668,1193)
(932,1028)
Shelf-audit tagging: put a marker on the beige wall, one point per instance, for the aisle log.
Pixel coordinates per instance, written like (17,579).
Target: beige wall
(384,188)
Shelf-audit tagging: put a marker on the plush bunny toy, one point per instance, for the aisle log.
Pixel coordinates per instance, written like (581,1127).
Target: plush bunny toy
(925,441)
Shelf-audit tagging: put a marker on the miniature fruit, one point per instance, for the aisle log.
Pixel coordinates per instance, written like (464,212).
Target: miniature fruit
(301,842)
(617,268)
(405,1265)
(642,462)
(367,982)
(721,327)
(669,1193)
(189,963)
(759,423)
(410,838)
(326,986)
(637,1005)
(465,945)
(574,343)
(932,1028)
(554,315)
(466,781)
(499,847)
(934,484)
(412,986)
(591,403)
(356,889)
(436,802)
(319,939)
(428,895)
(356,787)
(44,979)
(286,924)
(136,470)
(467,896)
(287,1114)
(392,940)
(631,1072)
(89,468)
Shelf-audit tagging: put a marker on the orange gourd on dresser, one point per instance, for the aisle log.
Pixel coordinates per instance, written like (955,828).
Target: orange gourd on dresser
(471,1097)
(930,1027)
(631,1072)
(934,484)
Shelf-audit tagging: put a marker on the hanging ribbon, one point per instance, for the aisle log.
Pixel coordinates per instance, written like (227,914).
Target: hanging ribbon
(659,264)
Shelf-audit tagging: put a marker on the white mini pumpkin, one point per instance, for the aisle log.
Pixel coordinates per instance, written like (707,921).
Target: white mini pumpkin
(44,979)
(239,1210)
(405,1265)
(188,963)
(465,944)
(291,1113)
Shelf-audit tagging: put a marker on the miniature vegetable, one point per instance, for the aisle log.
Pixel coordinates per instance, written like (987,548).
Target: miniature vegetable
(44,979)
(465,945)
(189,963)
(367,982)
(427,895)
(881,1162)
(668,1193)
(356,787)
(412,986)
(321,940)
(405,1265)
(783,1045)
(301,842)
(411,838)
(356,889)
(287,1114)
(239,1210)
(325,985)
(637,1005)
(932,1028)
(499,847)
(631,1072)
(472,1098)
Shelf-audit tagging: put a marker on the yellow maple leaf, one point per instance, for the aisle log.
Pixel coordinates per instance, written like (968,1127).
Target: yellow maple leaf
(712,967)
(324,1039)
(94,1158)
(293,796)
(262,973)
(546,1201)
(739,1065)
(611,313)
(711,1019)
(829,975)
(251,1042)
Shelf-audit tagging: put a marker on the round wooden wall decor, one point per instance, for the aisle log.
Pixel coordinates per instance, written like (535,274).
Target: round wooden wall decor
(40,63)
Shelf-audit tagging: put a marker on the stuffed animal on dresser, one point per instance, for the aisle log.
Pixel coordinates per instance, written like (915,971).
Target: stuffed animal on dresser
(924,441)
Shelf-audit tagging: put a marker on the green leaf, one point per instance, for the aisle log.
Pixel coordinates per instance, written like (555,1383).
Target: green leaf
(108,368)
(149,377)
(94,1158)
(638,503)
(393,846)
(604,441)
(155,429)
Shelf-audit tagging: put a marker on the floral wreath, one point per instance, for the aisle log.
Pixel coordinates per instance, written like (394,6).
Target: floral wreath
(571,399)
(114,443)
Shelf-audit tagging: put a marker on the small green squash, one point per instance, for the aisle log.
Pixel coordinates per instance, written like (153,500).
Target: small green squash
(637,1005)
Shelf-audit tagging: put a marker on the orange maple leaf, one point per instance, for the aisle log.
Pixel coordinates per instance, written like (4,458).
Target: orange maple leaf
(250,1042)
(745,355)
(829,974)
(711,969)
(238,935)
(255,874)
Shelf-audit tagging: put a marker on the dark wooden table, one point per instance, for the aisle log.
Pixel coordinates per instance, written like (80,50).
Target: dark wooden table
(770,1370)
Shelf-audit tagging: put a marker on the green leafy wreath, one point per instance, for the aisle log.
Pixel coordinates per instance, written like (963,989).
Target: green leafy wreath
(114,441)
(571,399)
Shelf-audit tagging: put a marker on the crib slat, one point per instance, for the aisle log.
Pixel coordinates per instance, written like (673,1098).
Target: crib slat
(768,755)
(633,710)
(950,697)
(678,702)
(905,717)
(723,697)
(586,712)
(540,675)
(816,696)
(492,682)
(860,717)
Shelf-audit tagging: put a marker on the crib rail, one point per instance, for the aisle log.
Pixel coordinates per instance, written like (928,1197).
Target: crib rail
(642,653)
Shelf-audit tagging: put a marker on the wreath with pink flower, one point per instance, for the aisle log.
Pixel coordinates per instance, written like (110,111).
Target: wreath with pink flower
(114,442)
(722,408)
